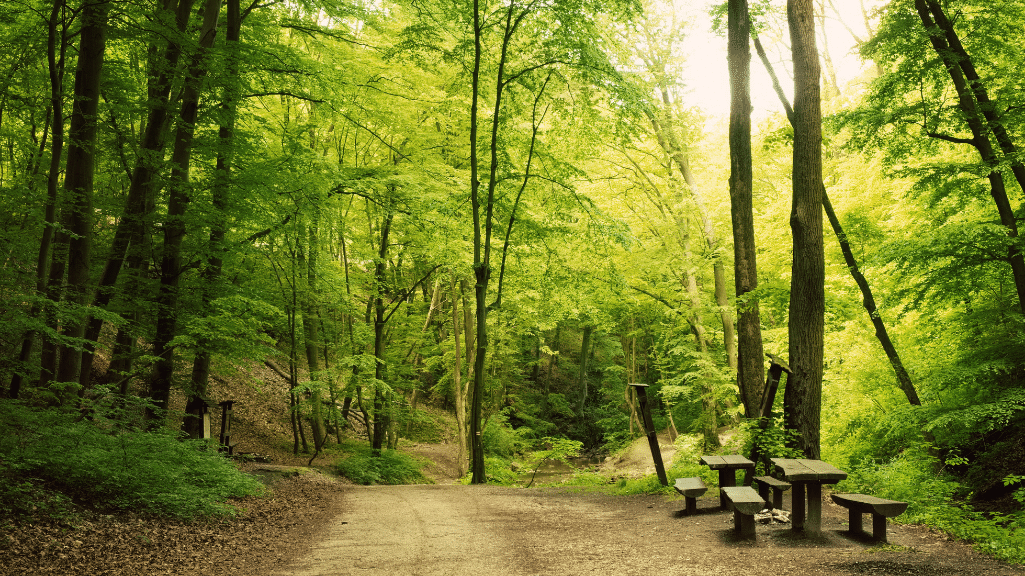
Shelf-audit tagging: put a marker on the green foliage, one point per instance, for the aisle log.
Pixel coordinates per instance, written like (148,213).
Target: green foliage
(424,426)
(558,449)
(500,440)
(772,442)
(916,478)
(95,462)
(362,466)
(498,471)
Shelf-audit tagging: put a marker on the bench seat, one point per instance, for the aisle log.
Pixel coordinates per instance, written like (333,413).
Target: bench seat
(745,503)
(879,508)
(691,489)
(778,488)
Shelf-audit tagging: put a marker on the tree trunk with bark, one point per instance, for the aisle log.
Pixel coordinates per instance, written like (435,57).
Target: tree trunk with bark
(218,228)
(807,292)
(139,203)
(904,381)
(750,357)
(78,179)
(974,114)
(179,198)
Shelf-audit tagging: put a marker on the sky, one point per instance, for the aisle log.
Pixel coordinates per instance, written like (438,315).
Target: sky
(707,77)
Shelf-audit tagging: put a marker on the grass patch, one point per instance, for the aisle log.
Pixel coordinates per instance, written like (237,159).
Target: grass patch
(51,458)
(359,464)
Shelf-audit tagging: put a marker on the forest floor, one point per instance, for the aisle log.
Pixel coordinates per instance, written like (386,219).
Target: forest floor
(316,524)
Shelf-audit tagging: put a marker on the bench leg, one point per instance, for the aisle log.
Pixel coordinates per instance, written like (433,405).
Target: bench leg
(814,522)
(692,505)
(879,527)
(763,491)
(777,499)
(727,477)
(797,515)
(855,521)
(744,524)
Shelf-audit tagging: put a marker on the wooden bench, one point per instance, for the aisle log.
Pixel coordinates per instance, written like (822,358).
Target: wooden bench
(745,503)
(879,508)
(691,488)
(778,488)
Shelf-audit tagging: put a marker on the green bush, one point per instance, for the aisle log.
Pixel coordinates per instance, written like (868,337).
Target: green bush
(913,477)
(95,463)
(499,471)
(362,466)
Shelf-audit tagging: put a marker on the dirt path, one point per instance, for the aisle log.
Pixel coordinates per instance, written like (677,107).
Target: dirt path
(485,530)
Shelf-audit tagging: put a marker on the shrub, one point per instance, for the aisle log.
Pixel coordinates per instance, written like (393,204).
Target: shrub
(98,464)
(362,466)
(912,477)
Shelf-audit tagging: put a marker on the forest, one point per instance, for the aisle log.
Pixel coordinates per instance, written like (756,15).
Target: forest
(515,210)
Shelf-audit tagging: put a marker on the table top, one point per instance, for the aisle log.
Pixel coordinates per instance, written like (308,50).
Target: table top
(804,470)
(728,462)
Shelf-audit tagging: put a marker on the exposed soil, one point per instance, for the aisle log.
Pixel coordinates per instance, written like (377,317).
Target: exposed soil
(318,525)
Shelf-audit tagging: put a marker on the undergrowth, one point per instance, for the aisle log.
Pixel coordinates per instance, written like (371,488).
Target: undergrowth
(53,459)
(915,477)
(359,464)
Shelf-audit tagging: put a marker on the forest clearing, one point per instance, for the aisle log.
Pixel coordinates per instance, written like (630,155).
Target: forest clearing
(531,231)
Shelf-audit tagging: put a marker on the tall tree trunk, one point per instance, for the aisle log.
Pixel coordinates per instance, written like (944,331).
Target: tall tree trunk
(481,244)
(78,179)
(54,276)
(380,416)
(666,134)
(55,50)
(311,330)
(750,363)
(175,227)
(585,354)
(219,224)
(904,381)
(139,204)
(457,379)
(807,292)
(709,403)
(980,138)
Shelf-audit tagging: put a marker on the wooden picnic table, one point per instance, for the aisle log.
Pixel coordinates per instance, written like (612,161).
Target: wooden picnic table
(807,477)
(727,466)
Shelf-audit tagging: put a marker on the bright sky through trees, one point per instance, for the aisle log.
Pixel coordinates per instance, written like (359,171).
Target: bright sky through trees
(706,75)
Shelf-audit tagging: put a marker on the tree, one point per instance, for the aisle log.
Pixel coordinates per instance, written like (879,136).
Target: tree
(517,56)
(803,395)
(979,113)
(750,354)
(178,200)
(868,300)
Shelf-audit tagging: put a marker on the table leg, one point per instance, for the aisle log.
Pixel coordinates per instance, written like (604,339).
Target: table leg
(798,505)
(727,477)
(814,522)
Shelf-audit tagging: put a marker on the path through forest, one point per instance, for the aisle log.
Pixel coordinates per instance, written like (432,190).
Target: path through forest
(450,529)
(486,530)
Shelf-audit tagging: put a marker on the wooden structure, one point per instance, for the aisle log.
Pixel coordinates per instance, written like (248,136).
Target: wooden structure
(879,508)
(692,489)
(727,467)
(778,487)
(807,477)
(649,428)
(745,503)
(225,437)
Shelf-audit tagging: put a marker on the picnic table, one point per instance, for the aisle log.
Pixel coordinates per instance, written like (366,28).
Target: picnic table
(727,466)
(807,477)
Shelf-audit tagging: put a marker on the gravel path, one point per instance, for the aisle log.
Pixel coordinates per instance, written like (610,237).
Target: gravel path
(484,530)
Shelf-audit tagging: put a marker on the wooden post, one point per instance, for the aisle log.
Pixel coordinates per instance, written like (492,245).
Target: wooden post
(225,437)
(649,428)
(776,369)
